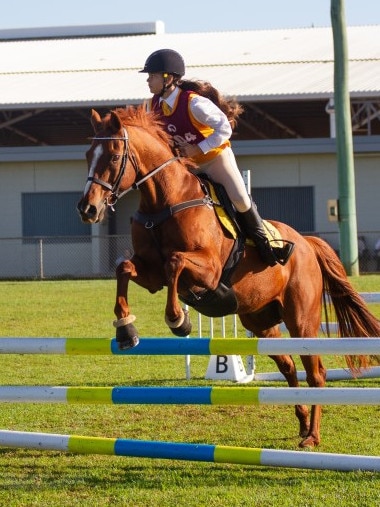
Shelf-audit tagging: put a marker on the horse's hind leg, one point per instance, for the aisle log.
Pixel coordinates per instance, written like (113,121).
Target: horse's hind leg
(315,377)
(286,366)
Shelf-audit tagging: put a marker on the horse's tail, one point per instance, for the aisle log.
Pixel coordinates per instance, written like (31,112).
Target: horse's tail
(352,314)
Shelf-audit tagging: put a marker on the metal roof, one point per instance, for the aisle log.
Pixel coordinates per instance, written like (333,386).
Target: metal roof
(54,32)
(291,64)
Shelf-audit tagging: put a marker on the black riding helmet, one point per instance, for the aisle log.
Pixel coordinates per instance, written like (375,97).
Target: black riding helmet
(166,61)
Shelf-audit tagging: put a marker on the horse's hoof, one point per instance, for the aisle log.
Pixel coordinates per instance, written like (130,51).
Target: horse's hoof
(185,328)
(181,331)
(127,337)
(129,344)
(308,442)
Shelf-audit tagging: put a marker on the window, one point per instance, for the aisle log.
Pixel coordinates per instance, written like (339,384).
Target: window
(52,214)
(292,205)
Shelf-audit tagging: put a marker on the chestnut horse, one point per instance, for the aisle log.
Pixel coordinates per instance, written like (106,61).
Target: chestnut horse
(179,243)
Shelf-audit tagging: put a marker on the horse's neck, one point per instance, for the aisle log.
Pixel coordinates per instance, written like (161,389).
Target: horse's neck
(171,185)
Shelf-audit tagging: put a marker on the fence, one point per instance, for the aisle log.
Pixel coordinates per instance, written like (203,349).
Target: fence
(63,257)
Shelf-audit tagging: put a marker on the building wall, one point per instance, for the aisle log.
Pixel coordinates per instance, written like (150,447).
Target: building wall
(267,170)
(36,176)
(19,258)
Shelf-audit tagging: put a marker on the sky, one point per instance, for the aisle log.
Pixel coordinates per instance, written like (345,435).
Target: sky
(195,16)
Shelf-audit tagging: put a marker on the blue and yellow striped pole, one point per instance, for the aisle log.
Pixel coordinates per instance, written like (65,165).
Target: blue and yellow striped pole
(193,346)
(188,452)
(214,395)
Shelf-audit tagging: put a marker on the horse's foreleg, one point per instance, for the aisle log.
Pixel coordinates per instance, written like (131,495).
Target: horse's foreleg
(200,270)
(126,333)
(175,317)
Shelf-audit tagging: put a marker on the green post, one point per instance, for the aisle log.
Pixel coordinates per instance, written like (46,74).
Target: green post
(344,146)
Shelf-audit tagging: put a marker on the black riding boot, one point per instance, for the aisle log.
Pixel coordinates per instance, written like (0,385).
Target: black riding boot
(252,226)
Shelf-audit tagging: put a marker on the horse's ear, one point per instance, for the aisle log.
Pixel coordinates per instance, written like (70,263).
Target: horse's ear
(115,122)
(96,120)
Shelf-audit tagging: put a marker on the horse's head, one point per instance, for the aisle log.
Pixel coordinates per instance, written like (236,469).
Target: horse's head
(109,169)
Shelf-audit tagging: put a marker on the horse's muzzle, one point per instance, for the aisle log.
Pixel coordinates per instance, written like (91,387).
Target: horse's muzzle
(89,213)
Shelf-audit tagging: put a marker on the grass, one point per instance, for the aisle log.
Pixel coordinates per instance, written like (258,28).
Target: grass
(48,478)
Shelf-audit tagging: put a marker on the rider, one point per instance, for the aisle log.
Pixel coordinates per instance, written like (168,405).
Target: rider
(201,128)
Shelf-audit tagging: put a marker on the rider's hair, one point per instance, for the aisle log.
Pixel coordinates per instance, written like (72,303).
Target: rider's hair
(230,107)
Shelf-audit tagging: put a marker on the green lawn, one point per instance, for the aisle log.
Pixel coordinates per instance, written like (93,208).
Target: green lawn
(84,309)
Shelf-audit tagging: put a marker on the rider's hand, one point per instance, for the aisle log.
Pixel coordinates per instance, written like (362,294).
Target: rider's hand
(189,150)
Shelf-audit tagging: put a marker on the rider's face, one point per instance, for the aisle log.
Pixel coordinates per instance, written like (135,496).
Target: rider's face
(155,82)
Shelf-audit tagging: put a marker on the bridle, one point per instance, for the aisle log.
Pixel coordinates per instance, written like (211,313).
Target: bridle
(114,188)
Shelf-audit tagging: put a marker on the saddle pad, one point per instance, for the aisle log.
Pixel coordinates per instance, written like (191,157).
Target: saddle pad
(271,231)
(224,218)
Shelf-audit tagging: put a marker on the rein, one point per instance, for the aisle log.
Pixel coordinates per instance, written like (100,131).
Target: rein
(136,185)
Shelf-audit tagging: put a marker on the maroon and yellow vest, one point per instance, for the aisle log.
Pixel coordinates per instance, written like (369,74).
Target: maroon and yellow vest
(183,127)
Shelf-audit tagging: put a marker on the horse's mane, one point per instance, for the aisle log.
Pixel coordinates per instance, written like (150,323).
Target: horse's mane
(139,117)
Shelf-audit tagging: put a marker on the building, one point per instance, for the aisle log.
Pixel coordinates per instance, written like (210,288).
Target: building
(51,78)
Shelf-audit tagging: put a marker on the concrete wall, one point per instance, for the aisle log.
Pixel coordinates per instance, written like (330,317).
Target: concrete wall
(36,171)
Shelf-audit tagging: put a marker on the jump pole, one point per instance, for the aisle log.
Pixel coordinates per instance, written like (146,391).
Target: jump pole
(331,374)
(191,395)
(188,452)
(193,346)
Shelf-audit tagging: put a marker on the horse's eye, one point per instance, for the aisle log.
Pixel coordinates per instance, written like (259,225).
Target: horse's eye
(115,158)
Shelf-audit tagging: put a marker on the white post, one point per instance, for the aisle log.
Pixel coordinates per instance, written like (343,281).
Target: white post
(250,359)
(41,251)
(330,110)
(188,357)
(247,180)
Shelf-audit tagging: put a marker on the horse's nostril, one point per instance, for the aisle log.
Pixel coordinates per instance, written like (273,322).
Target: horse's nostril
(91,211)
(87,212)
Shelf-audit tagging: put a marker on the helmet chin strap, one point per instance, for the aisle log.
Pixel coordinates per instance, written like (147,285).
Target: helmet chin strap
(166,86)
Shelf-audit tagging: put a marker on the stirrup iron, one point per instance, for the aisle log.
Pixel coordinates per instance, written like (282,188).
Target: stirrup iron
(287,249)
